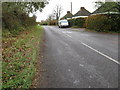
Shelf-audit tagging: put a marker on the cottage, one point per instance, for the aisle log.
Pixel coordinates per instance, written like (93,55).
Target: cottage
(68,15)
(107,7)
(82,13)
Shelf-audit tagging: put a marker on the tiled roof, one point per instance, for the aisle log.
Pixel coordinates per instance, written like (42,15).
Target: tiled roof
(82,12)
(107,7)
(68,15)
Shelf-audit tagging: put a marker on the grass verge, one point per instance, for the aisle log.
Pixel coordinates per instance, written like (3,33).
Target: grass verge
(19,58)
(109,32)
(75,27)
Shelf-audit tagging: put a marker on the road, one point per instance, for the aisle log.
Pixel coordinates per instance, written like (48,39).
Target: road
(75,58)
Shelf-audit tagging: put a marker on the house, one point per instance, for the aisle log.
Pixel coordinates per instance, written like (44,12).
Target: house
(68,15)
(82,13)
(107,7)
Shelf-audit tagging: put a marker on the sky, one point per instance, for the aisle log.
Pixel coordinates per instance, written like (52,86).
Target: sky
(66,6)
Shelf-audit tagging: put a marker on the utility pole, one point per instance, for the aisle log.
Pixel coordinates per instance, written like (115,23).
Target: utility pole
(71,7)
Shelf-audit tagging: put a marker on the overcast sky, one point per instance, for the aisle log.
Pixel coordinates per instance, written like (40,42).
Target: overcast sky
(76,4)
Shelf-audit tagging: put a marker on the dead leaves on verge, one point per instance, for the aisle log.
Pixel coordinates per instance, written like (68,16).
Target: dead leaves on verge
(18,58)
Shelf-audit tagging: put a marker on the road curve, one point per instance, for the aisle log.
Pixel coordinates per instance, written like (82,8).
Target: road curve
(75,58)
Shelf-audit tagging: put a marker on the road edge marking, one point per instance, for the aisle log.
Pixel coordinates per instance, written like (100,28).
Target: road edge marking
(100,53)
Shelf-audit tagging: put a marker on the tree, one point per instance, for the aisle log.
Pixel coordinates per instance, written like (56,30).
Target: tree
(98,3)
(118,6)
(51,17)
(15,15)
(107,6)
(57,11)
(113,19)
(26,7)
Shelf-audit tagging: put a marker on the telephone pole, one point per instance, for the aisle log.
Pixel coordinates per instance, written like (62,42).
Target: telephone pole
(71,7)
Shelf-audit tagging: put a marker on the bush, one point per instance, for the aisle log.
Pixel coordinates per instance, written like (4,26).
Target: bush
(6,33)
(114,22)
(10,21)
(44,23)
(80,22)
(103,23)
(17,22)
(27,21)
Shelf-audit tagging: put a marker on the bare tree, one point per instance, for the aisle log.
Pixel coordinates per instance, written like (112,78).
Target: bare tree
(57,11)
(51,17)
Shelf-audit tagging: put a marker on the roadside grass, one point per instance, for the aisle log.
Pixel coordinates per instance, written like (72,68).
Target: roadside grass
(75,27)
(20,57)
(91,30)
(109,32)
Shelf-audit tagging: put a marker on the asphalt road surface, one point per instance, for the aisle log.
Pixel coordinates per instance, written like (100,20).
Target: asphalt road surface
(75,58)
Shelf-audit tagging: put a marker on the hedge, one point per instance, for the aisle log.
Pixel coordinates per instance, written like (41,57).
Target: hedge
(16,23)
(53,22)
(103,23)
(80,22)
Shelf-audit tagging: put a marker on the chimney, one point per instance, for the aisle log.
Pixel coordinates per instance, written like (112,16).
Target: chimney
(68,11)
(81,8)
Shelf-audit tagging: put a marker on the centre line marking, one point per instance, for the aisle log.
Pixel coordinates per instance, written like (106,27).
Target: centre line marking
(101,53)
(68,35)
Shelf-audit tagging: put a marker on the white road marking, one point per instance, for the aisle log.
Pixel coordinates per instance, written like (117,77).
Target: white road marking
(91,76)
(89,87)
(69,32)
(66,34)
(69,36)
(81,65)
(66,44)
(69,70)
(63,32)
(76,82)
(101,53)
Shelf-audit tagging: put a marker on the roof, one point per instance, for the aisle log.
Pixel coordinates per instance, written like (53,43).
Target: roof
(106,7)
(82,12)
(63,20)
(68,15)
